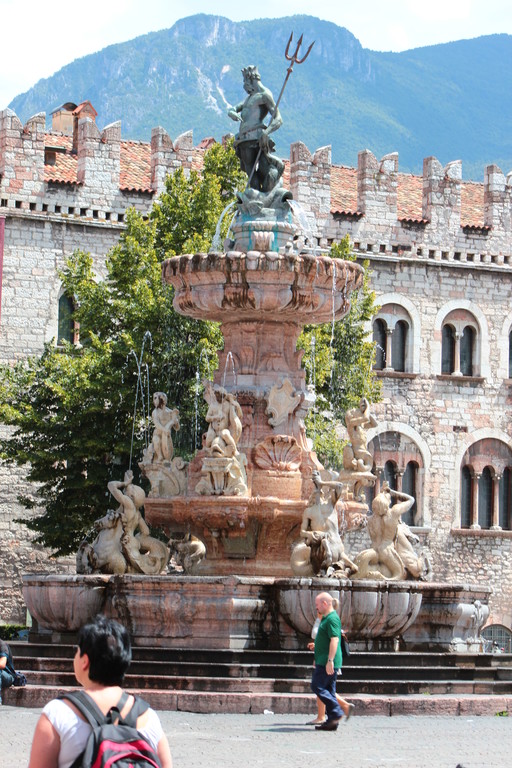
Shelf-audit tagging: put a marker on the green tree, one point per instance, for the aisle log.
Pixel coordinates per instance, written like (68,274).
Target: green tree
(338,358)
(76,411)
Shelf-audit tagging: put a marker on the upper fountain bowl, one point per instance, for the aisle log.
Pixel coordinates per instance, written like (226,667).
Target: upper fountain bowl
(299,288)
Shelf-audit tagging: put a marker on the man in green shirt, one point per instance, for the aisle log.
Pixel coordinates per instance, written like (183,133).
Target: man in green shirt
(328,661)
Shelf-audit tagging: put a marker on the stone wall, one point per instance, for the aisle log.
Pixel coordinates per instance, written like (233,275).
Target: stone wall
(437,246)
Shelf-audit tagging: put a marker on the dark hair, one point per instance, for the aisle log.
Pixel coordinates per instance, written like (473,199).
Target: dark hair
(107,644)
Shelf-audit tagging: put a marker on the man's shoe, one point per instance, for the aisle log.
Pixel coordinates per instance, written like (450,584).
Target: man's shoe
(350,712)
(315,722)
(329,725)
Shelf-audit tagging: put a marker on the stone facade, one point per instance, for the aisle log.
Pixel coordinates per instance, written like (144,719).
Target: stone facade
(440,253)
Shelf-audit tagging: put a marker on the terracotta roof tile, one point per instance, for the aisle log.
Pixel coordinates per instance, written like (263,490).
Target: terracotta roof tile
(472,204)
(343,189)
(135,171)
(135,175)
(409,197)
(63,170)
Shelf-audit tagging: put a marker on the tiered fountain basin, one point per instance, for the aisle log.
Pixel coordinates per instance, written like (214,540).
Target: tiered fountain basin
(262,300)
(233,612)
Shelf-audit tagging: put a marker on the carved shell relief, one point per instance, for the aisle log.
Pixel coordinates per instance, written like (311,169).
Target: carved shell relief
(278,452)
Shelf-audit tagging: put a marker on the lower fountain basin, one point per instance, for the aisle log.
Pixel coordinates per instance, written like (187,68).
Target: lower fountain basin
(236,612)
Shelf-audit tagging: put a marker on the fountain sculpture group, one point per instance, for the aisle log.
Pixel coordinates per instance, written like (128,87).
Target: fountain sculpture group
(254,523)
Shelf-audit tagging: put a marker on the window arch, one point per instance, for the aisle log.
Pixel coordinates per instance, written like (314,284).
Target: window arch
(505,500)
(448,349)
(399,346)
(460,344)
(485,492)
(510,355)
(392,334)
(379,338)
(399,461)
(486,486)
(67,328)
(467,343)
(465,498)
(499,637)
(390,474)
(409,480)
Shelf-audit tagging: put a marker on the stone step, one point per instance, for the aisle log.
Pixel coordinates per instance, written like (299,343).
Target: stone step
(254,680)
(189,670)
(282,657)
(248,703)
(362,683)
(287,658)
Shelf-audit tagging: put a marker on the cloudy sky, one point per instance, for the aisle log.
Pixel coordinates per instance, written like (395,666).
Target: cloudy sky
(38,39)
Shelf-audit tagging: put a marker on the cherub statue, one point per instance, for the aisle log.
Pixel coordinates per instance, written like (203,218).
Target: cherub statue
(164,420)
(165,472)
(321,546)
(123,543)
(224,466)
(356,455)
(357,459)
(392,556)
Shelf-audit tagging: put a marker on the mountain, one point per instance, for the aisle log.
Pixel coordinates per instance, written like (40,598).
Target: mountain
(445,100)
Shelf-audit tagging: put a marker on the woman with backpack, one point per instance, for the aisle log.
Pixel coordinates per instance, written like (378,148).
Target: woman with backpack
(86,727)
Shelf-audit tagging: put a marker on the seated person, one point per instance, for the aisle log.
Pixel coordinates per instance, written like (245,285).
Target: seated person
(6,667)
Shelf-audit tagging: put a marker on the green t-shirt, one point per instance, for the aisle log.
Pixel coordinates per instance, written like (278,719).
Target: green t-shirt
(330,626)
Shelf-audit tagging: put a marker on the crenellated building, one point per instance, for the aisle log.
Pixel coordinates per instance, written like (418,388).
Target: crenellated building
(440,253)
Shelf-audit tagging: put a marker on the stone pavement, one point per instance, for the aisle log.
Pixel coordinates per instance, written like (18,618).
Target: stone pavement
(272,741)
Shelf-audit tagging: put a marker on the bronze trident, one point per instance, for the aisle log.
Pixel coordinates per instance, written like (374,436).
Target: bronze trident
(293,60)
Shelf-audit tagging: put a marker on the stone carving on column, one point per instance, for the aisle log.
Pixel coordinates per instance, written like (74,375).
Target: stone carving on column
(467,631)
(224,466)
(165,472)
(392,556)
(123,543)
(357,460)
(282,400)
(321,551)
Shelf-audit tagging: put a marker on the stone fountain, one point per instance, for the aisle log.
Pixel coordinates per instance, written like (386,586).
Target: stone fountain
(255,522)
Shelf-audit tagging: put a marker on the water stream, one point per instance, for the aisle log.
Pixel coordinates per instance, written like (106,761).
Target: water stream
(216,244)
(142,388)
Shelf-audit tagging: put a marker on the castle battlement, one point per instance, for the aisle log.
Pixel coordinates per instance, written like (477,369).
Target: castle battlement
(89,173)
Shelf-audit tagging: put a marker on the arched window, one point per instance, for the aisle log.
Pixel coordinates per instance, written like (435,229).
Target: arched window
(499,637)
(466,351)
(399,342)
(379,337)
(399,462)
(448,349)
(505,500)
(460,344)
(486,485)
(485,499)
(409,486)
(66,327)
(390,474)
(465,497)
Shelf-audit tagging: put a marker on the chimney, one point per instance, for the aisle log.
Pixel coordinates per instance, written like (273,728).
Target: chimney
(85,109)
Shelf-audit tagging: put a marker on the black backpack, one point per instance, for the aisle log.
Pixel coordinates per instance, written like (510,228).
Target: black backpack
(114,741)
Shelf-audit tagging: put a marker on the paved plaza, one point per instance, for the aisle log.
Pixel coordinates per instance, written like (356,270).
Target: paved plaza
(249,741)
